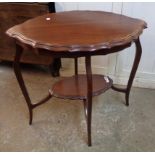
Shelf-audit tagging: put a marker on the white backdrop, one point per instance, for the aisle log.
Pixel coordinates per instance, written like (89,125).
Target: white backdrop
(118,66)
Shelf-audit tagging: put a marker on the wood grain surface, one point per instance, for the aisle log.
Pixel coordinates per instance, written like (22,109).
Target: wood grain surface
(78,31)
(75,87)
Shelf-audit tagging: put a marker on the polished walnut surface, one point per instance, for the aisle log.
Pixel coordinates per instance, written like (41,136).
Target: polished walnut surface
(75,34)
(75,87)
(78,31)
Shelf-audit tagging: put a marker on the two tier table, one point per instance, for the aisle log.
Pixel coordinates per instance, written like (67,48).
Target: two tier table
(75,34)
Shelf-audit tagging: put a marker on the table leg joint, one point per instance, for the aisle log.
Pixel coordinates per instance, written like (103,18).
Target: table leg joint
(133,72)
(122,90)
(44,100)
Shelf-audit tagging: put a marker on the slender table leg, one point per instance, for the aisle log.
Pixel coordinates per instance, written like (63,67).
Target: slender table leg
(76,65)
(85,108)
(55,67)
(89,97)
(19,51)
(133,72)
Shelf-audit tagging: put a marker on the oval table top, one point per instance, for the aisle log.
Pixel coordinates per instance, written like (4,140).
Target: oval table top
(78,31)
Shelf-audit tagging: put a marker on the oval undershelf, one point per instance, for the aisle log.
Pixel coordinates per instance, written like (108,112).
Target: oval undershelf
(75,87)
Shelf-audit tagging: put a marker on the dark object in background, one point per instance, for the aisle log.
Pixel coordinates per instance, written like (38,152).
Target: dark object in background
(51,7)
(15,13)
(55,66)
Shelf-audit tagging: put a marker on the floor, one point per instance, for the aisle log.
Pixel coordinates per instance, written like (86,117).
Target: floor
(59,125)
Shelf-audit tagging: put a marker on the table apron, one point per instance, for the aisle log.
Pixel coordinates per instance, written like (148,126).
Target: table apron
(67,54)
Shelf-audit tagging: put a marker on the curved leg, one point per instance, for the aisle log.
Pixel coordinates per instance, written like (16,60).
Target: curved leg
(134,69)
(19,51)
(45,99)
(89,97)
(85,108)
(133,72)
(30,115)
(76,65)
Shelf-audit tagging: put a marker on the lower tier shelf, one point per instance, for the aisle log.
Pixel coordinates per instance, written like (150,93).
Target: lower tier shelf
(75,87)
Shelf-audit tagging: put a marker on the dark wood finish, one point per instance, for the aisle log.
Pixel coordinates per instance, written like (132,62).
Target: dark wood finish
(133,72)
(76,34)
(76,65)
(18,74)
(15,13)
(89,96)
(19,51)
(78,31)
(134,69)
(75,87)
(85,108)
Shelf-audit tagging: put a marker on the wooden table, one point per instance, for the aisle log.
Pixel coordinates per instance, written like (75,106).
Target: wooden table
(75,34)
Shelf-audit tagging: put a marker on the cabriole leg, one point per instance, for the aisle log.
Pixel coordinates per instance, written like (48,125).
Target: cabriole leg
(85,108)
(133,72)
(134,69)
(19,51)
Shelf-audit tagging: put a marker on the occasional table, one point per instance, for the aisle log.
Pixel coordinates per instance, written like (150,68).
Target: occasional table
(75,34)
